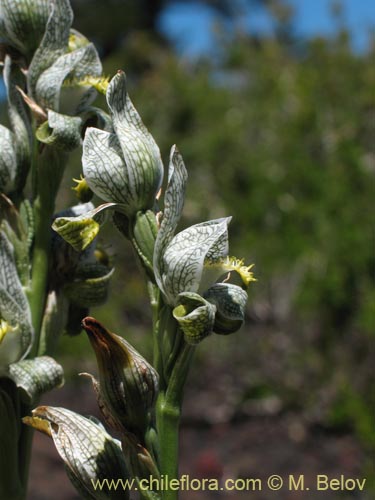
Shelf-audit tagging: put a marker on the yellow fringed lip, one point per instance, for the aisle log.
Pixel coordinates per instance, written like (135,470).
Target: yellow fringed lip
(229,264)
(99,83)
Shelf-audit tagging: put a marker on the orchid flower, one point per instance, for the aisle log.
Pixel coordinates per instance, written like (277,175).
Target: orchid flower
(187,266)
(125,166)
(90,454)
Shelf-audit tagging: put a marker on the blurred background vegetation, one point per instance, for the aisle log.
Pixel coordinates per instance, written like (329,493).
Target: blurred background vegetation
(278,131)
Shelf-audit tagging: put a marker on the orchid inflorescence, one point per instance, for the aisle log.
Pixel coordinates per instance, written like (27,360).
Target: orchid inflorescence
(50,277)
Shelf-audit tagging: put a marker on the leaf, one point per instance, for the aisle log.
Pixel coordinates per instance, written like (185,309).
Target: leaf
(36,376)
(173,204)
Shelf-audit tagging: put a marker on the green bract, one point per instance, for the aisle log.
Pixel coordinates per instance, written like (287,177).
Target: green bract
(125,166)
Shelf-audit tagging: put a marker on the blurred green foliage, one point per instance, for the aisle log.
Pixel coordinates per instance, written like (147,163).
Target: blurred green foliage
(282,137)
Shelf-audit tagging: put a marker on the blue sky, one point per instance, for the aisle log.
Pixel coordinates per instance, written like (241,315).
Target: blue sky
(190,25)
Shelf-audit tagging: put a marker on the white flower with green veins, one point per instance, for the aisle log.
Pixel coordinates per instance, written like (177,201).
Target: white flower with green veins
(90,454)
(124,167)
(16,331)
(187,266)
(22,23)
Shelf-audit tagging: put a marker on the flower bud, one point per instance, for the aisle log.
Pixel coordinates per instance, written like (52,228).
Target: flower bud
(128,384)
(89,452)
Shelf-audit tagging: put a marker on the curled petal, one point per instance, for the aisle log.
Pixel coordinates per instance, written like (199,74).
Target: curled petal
(74,65)
(36,376)
(90,285)
(23,23)
(80,230)
(230,301)
(195,317)
(61,131)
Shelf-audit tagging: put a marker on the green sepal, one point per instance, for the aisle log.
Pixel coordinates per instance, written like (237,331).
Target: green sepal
(36,376)
(195,317)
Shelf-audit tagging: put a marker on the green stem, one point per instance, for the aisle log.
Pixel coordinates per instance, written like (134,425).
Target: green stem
(24,452)
(168,420)
(48,169)
(40,266)
(168,412)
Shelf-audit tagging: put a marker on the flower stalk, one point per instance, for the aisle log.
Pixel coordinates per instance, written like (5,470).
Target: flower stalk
(52,269)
